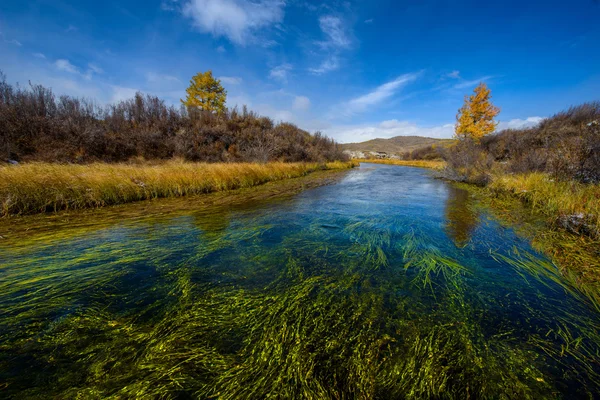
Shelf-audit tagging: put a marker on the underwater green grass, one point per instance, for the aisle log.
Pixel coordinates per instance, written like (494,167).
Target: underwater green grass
(354,306)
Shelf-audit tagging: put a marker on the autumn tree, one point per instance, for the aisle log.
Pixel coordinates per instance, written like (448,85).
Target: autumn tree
(475,118)
(206,93)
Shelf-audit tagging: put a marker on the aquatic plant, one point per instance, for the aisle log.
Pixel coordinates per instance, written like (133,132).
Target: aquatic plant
(239,302)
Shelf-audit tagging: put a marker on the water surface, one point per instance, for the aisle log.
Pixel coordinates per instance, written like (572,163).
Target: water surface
(387,284)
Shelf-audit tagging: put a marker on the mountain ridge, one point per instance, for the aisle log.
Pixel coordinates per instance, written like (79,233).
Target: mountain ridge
(396,144)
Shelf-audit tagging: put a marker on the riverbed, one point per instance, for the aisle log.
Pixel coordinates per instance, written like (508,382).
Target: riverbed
(385,283)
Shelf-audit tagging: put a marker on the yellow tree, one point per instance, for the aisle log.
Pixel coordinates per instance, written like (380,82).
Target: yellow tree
(206,93)
(475,119)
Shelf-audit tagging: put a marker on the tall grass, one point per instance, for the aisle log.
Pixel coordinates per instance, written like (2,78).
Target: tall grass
(432,164)
(560,200)
(42,187)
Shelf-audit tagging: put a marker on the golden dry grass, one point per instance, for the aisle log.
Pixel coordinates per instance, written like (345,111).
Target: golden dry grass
(41,187)
(432,164)
(551,197)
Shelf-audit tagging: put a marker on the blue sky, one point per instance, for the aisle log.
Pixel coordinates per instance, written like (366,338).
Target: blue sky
(354,70)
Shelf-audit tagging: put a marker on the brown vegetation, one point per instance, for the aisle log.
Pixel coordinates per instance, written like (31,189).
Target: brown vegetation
(565,146)
(35,125)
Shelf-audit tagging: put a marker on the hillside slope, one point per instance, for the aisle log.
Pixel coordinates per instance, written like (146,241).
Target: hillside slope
(396,145)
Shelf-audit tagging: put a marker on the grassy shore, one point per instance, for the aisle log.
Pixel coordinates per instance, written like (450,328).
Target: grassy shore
(42,187)
(564,202)
(432,164)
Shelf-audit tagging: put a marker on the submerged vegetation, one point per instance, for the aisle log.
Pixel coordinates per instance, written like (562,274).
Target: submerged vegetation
(235,304)
(40,187)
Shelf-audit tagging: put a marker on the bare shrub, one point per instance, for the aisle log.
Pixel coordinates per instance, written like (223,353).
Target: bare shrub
(35,125)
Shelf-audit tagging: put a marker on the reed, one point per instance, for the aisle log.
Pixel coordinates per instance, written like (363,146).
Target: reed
(43,187)
(431,164)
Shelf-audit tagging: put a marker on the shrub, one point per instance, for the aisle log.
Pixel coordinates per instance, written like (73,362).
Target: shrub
(566,145)
(36,126)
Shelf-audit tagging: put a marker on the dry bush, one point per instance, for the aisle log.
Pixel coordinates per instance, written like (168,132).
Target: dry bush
(36,126)
(566,145)
(467,161)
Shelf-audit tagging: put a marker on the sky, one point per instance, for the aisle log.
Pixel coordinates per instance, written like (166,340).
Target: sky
(354,70)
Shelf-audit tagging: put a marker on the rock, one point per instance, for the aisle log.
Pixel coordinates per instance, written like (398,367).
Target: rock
(13,162)
(578,224)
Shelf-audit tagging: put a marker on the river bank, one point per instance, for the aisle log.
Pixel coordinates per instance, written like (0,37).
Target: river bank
(43,187)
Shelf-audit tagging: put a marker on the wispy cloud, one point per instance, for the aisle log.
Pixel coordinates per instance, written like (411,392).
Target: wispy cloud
(10,41)
(453,75)
(39,55)
(120,93)
(280,73)
(336,40)
(230,80)
(334,31)
(380,94)
(221,49)
(328,65)
(474,82)
(95,69)
(237,20)
(369,21)
(153,77)
(301,103)
(66,66)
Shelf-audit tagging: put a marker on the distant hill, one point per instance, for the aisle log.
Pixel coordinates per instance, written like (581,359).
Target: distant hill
(396,145)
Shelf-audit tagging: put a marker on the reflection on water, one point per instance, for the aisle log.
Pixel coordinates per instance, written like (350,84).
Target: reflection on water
(362,289)
(462,217)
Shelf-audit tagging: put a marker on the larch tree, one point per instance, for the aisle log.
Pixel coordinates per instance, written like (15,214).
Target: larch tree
(206,93)
(475,118)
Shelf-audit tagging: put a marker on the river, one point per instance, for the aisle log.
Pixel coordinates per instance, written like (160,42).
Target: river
(385,284)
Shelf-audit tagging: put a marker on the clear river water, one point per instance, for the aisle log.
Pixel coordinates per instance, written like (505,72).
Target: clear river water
(385,284)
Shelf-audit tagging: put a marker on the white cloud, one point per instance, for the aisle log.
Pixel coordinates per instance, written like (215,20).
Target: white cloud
(154,77)
(39,55)
(333,29)
(95,69)
(454,75)
(378,95)
(65,65)
(280,73)
(301,103)
(386,130)
(369,21)
(238,20)
(337,39)
(474,82)
(221,49)
(519,123)
(230,80)
(120,93)
(330,64)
